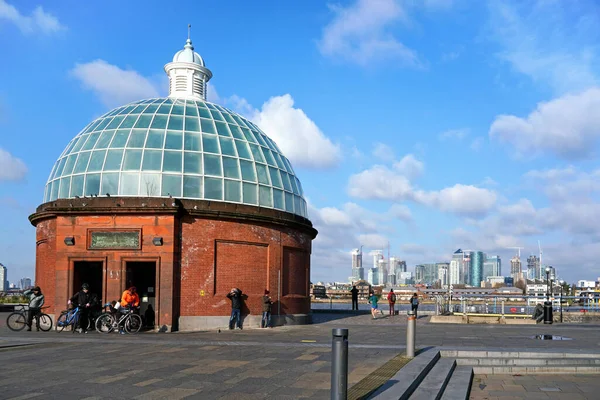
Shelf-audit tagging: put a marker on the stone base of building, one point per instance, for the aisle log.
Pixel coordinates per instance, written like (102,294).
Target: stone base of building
(198,323)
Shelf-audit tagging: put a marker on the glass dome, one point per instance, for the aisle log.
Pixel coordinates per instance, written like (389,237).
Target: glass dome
(182,148)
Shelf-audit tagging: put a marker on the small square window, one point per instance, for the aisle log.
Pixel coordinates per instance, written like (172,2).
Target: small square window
(152,160)
(278,199)
(227,146)
(171,185)
(222,129)
(264,196)
(82,162)
(92,184)
(192,187)
(129,122)
(70,164)
(192,163)
(212,165)
(137,138)
(192,124)
(65,187)
(120,139)
(174,140)
(175,123)
(172,161)
(204,113)
(207,126)
(250,193)
(213,189)
(210,144)
(248,173)
(114,159)
(261,171)
(150,185)
(96,161)
(242,149)
(231,168)
(110,184)
(156,139)
(192,141)
(233,191)
(77,186)
(93,138)
(159,122)
(133,160)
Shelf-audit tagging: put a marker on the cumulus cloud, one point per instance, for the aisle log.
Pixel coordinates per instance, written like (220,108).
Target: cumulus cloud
(298,137)
(409,166)
(113,85)
(568,126)
(11,167)
(373,240)
(383,152)
(402,212)
(361,34)
(38,21)
(382,183)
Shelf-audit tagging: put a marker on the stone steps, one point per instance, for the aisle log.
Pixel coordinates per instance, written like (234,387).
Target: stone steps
(435,382)
(537,370)
(529,362)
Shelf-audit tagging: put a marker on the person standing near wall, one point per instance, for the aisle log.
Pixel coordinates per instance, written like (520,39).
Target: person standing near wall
(391,297)
(354,292)
(414,303)
(235,295)
(266,317)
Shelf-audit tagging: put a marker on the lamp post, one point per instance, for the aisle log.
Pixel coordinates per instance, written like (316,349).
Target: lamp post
(547,304)
(561,301)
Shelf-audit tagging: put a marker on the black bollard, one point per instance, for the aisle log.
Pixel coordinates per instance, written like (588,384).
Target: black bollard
(339,364)
(548,318)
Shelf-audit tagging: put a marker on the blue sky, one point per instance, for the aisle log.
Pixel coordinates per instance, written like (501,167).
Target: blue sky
(431,125)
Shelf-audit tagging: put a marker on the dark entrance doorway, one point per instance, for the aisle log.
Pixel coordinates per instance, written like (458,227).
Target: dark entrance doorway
(142,275)
(89,272)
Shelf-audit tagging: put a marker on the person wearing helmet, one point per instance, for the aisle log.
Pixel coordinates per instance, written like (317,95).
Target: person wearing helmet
(85,300)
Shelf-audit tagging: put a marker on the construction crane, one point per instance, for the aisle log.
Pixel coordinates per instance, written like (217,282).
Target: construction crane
(518,250)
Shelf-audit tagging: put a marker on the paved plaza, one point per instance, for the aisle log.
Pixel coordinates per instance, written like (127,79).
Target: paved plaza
(280,363)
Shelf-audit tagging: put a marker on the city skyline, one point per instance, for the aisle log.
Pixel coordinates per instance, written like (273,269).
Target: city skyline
(430,125)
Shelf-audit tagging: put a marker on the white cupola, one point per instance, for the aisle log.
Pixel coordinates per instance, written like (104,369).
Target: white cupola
(187,74)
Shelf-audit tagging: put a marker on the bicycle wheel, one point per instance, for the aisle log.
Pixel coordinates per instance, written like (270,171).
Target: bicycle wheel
(62,321)
(16,321)
(45,322)
(133,323)
(105,323)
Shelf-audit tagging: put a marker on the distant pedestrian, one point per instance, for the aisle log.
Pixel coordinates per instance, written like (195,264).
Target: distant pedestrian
(235,295)
(391,297)
(414,303)
(373,300)
(266,317)
(36,301)
(354,292)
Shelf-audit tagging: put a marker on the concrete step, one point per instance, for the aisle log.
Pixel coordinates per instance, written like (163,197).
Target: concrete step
(459,385)
(405,381)
(537,370)
(436,380)
(528,362)
(515,354)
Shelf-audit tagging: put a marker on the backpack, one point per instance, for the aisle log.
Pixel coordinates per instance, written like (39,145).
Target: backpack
(414,301)
(393,298)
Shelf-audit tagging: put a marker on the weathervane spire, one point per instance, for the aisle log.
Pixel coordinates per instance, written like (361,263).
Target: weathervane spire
(189,31)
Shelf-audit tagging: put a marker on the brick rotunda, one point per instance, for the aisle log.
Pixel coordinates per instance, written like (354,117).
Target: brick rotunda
(182,198)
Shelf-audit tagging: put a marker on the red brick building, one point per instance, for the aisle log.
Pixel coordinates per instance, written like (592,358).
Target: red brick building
(182,198)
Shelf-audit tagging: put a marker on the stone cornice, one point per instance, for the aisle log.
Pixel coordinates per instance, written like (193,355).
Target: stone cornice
(169,206)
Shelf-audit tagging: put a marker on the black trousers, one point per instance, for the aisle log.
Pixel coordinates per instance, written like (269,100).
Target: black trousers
(84,317)
(33,312)
(414,308)
(355,304)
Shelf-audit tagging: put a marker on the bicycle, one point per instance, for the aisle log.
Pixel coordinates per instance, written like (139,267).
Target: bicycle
(17,320)
(70,318)
(107,323)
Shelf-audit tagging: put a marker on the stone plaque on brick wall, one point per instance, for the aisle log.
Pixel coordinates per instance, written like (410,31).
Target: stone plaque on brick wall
(100,240)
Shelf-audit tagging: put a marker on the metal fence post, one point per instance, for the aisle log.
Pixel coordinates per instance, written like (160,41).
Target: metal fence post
(339,364)
(410,334)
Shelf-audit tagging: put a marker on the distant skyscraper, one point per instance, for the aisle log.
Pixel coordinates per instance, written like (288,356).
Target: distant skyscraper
(3,278)
(492,267)
(442,273)
(533,267)
(454,272)
(358,272)
(476,270)
(426,273)
(464,266)
(25,283)
(382,271)
(372,276)
(516,271)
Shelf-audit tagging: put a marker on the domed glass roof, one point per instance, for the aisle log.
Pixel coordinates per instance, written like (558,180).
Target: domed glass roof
(176,147)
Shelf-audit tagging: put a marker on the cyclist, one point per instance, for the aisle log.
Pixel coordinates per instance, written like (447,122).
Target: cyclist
(130,301)
(36,301)
(85,301)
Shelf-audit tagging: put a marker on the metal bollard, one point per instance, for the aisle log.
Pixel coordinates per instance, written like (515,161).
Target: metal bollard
(339,364)
(410,334)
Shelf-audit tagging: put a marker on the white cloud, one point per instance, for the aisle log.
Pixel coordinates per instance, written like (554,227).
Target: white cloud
(460,199)
(402,212)
(549,41)
(568,126)
(454,134)
(409,166)
(373,240)
(383,152)
(38,21)
(298,137)
(334,216)
(382,183)
(565,184)
(361,34)
(211,94)
(113,85)
(11,167)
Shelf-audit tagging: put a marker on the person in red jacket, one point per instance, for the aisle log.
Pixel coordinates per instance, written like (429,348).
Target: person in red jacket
(391,297)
